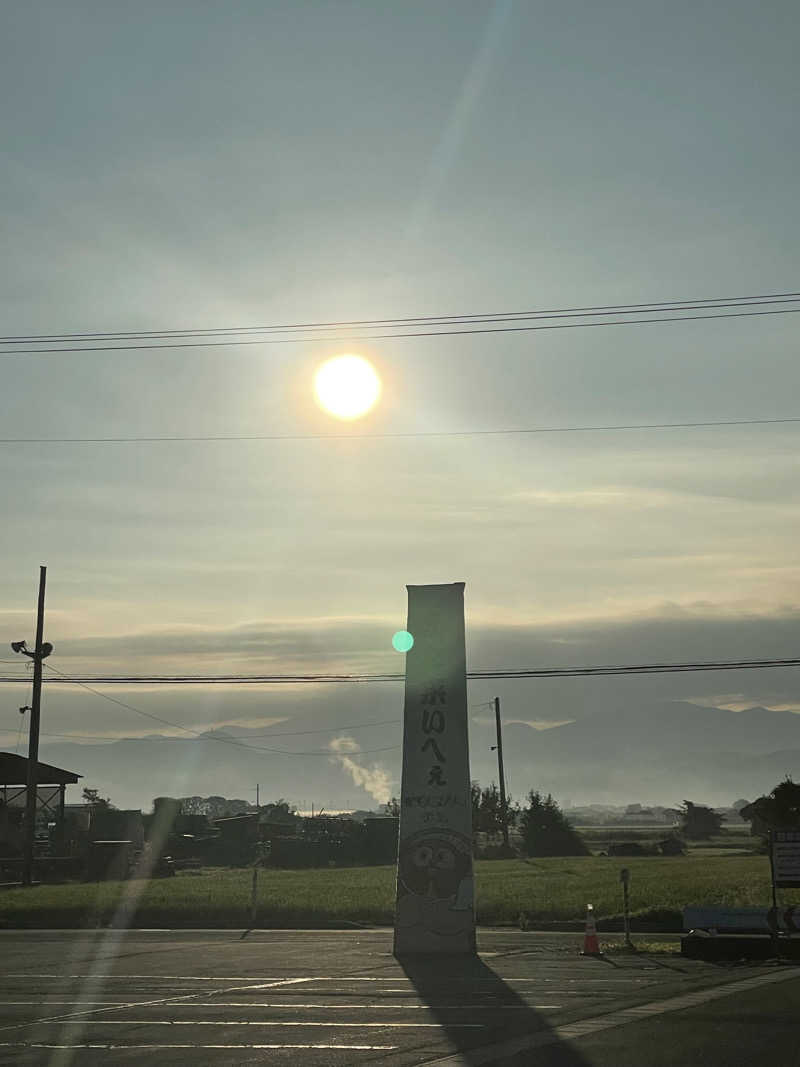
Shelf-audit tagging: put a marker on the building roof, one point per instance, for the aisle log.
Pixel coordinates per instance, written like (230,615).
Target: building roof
(14,771)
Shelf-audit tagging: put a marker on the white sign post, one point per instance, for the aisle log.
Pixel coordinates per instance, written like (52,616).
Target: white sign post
(435,910)
(785,856)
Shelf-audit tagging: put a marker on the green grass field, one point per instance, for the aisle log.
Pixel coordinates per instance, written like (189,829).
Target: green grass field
(738,839)
(547,890)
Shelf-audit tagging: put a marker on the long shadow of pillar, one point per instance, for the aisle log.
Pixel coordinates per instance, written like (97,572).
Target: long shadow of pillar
(463,989)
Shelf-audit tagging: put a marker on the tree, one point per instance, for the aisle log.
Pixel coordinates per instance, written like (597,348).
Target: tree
(95,801)
(280,811)
(698,821)
(487,809)
(475,801)
(392,807)
(779,808)
(546,831)
(214,807)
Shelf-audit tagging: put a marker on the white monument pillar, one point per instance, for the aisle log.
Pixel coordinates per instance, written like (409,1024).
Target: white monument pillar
(435,910)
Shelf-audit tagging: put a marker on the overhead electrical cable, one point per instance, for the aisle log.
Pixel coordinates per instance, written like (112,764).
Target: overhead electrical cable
(507,432)
(396,336)
(328,730)
(204,736)
(333,679)
(404,324)
(245,739)
(400,323)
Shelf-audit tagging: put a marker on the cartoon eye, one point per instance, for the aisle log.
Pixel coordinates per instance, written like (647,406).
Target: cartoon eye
(422,856)
(445,859)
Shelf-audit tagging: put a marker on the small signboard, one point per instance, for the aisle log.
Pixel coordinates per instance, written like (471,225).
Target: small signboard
(785,855)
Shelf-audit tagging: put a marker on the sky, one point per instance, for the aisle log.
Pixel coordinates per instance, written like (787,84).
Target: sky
(205,165)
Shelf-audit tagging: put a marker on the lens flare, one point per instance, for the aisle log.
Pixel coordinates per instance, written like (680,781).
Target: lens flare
(402,641)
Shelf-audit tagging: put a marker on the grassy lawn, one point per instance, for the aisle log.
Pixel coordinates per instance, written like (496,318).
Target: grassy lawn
(546,889)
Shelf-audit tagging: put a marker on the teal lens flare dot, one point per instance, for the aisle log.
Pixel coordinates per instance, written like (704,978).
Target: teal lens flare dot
(402,641)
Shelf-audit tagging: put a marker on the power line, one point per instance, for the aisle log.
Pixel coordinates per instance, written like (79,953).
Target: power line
(399,323)
(433,320)
(397,336)
(205,736)
(642,668)
(249,737)
(524,430)
(333,730)
(349,679)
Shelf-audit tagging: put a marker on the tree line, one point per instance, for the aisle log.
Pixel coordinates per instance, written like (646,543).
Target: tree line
(544,830)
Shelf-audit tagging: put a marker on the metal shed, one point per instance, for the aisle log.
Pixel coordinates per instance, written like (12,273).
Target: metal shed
(52,783)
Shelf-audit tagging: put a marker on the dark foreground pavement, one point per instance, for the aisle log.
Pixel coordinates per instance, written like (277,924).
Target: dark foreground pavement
(338,998)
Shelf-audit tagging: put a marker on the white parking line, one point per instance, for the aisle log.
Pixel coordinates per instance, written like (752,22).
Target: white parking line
(291,1006)
(149,1003)
(358,1025)
(98,1045)
(155,977)
(344,978)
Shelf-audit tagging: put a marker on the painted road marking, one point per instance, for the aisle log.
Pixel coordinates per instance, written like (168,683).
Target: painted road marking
(291,1006)
(149,1003)
(156,977)
(268,1022)
(344,978)
(573,1031)
(346,1048)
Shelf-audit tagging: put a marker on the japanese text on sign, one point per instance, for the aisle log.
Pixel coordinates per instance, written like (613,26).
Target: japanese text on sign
(434,721)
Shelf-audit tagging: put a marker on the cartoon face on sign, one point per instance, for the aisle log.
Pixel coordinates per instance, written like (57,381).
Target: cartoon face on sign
(433,864)
(435,890)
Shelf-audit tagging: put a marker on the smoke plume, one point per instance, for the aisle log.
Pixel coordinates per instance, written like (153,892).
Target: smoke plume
(374,780)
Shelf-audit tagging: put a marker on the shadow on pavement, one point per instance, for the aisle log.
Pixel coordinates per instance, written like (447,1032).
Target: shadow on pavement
(451,985)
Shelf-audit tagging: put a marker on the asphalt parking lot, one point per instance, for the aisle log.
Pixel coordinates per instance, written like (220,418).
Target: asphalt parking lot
(339,997)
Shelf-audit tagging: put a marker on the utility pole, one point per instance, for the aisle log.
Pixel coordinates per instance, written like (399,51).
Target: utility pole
(500,772)
(42,651)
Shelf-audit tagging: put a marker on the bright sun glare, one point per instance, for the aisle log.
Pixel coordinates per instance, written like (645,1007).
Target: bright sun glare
(347,386)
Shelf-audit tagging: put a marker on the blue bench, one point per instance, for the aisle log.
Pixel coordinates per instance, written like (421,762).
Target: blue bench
(742,920)
(736,933)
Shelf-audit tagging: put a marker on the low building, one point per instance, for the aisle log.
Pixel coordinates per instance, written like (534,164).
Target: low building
(51,788)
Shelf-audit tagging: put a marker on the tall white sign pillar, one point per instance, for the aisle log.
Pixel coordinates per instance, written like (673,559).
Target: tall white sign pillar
(435,910)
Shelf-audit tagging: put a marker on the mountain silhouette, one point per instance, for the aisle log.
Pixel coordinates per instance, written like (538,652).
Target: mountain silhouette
(658,754)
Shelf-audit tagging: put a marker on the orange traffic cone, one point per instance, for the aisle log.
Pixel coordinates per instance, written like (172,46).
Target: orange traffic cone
(591,946)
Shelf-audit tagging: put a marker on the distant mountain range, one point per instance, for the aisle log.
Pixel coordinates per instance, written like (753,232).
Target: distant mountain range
(659,754)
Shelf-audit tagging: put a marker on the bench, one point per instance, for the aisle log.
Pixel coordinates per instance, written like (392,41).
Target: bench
(742,920)
(734,933)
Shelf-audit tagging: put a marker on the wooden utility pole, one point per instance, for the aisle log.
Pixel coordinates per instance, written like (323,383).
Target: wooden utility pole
(33,738)
(500,771)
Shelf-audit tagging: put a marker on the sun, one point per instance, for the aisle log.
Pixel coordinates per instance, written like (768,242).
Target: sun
(347,386)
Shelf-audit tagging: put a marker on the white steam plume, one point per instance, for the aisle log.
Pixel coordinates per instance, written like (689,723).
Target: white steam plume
(375,780)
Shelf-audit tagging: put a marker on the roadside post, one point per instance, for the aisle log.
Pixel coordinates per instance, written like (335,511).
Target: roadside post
(625,879)
(257,860)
